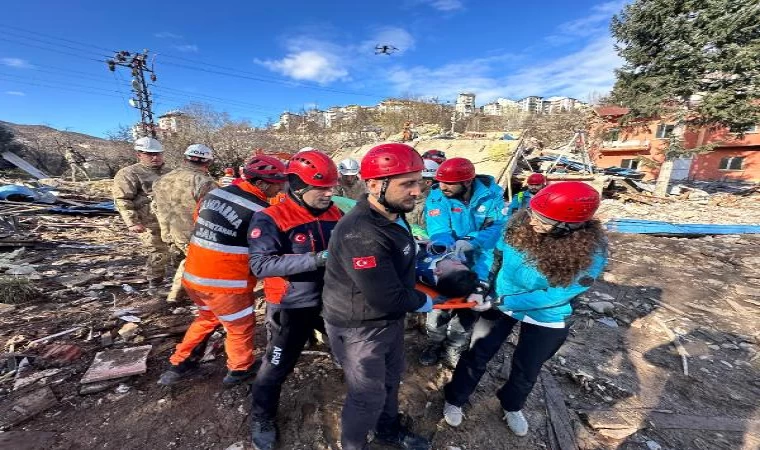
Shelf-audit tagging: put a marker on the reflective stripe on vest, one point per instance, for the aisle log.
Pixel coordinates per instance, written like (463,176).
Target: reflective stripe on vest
(232,249)
(236,315)
(215,282)
(238,200)
(204,308)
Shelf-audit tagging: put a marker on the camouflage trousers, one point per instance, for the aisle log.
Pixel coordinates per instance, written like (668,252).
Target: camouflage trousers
(176,290)
(158,254)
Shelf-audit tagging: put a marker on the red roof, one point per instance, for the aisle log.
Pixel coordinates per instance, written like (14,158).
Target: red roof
(611,110)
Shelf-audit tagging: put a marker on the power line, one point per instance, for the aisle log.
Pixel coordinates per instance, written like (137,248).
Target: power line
(53,50)
(83,44)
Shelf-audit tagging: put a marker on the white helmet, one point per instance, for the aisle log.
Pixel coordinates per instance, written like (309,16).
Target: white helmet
(306,149)
(431,167)
(148,145)
(348,167)
(199,151)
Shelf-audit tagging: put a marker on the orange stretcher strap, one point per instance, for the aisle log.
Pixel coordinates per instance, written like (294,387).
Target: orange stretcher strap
(452,303)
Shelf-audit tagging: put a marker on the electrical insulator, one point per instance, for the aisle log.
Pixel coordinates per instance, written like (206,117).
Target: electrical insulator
(153,77)
(111,66)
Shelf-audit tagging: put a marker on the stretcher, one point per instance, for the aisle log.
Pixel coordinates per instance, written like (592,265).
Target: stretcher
(452,303)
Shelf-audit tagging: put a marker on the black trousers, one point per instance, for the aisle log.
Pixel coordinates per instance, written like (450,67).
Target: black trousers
(535,346)
(373,362)
(287,333)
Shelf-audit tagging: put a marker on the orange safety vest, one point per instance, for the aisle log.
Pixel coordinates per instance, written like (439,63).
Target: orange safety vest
(217,257)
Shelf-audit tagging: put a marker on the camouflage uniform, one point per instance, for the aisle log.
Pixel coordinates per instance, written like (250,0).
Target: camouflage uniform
(75,161)
(417,216)
(354,191)
(132,191)
(176,197)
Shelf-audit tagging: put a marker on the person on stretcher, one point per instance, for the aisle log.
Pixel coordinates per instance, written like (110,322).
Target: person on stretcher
(448,280)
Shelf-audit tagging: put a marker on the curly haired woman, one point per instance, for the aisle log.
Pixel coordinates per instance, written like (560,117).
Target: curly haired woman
(550,253)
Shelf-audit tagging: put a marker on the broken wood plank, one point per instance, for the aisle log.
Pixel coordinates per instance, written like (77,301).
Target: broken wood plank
(559,415)
(52,336)
(25,407)
(117,363)
(676,341)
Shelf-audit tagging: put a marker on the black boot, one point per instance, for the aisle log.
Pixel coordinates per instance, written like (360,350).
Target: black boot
(241,376)
(400,436)
(178,373)
(430,355)
(263,434)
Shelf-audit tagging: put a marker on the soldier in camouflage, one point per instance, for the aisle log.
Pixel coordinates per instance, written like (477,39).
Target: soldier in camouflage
(176,197)
(76,162)
(416,218)
(349,185)
(132,192)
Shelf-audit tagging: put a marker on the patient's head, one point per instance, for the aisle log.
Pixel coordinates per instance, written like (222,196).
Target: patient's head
(454,279)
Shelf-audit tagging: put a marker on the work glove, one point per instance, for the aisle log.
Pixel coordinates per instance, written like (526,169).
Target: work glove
(482,303)
(321,258)
(463,249)
(427,307)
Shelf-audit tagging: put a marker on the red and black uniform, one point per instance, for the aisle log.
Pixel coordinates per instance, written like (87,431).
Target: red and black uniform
(283,244)
(217,277)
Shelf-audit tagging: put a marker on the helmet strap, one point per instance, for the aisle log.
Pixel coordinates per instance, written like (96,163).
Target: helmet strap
(381,198)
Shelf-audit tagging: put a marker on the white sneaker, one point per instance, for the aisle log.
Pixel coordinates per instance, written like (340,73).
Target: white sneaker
(516,422)
(453,415)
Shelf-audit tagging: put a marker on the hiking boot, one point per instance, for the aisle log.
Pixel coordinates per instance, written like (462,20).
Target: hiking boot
(516,422)
(263,434)
(403,438)
(176,374)
(241,376)
(453,415)
(430,355)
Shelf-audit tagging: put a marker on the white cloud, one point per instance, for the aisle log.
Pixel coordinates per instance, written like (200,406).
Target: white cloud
(167,35)
(16,93)
(445,5)
(596,22)
(17,63)
(309,65)
(187,48)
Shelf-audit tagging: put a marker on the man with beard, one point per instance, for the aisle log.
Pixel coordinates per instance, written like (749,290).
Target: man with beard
(288,247)
(369,288)
(466,214)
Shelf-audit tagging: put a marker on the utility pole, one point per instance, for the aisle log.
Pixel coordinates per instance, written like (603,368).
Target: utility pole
(138,65)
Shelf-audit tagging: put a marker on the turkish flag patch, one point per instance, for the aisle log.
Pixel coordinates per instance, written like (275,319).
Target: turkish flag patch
(299,238)
(434,212)
(456,210)
(364,262)
(255,233)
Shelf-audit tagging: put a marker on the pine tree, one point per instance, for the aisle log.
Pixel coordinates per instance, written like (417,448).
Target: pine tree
(696,59)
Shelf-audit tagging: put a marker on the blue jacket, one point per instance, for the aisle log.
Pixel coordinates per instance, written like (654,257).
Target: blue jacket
(519,201)
(481,221)
(526,294)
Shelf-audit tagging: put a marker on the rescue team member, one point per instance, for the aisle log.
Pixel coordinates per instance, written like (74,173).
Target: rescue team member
(176,198)
(217,277)
(550,254)
(535,182)
(416,218)
(132,192)
(465,212)
(435,155)
(228,178)
(350,186)
(288,248)
(369,288)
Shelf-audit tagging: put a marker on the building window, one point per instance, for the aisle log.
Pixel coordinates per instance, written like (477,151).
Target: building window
(664,131)
(749,129)
(613,134)
(731,163)
(632,164)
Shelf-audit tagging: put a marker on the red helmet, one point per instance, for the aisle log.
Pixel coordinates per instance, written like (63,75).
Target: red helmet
(313,168)
(567,201)
(387,160)
(536,178)
(435,155)
(229,171)
(455,170)
(265,168)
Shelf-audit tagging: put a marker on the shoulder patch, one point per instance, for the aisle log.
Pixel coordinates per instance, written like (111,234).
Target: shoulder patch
(364,262)
(456,209)
(434,212)
(299,238)
(256,233)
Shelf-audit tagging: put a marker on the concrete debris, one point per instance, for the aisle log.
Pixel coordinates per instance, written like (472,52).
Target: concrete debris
(128,331)
(117,363)
(236,446)
(61,353)
(32,377)
(610,322)
(652,445)
(602,307)
(16,410)
(100,386)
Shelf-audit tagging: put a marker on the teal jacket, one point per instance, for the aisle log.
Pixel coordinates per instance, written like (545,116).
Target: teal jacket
(526,294)
(519,201)
(480,221)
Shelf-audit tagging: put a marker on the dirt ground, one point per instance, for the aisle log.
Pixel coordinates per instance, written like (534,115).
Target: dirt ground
(622,381)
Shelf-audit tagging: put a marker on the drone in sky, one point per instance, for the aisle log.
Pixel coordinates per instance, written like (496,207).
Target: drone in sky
(385,49)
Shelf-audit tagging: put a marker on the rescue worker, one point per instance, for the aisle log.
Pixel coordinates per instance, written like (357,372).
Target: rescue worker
(369,288)
(132,192)
(76,161)
(228,178)
(549,254)
(176,198)
(435,155)
(288,249)
(416,218)
(407,135)
(535,182)
(465,212)
(349,185)
(216,276)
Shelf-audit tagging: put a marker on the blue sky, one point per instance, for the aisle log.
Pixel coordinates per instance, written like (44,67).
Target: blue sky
(290,55)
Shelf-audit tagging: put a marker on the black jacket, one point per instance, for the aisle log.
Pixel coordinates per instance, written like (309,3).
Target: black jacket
(370,275)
